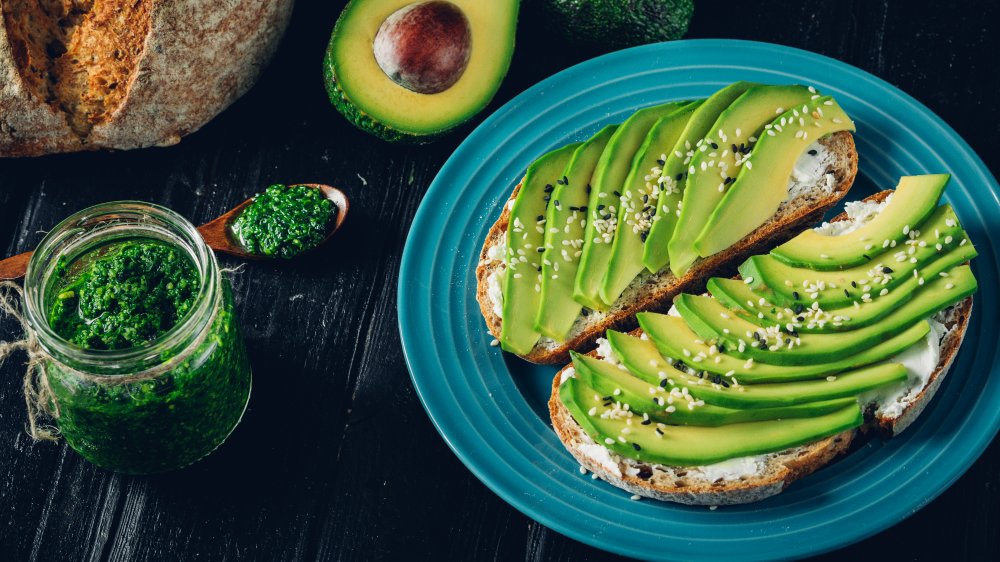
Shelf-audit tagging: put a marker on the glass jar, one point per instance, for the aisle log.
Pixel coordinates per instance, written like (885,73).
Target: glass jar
(151,407)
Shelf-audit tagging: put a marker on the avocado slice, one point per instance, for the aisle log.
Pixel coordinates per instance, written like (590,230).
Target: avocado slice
(525,237)
(373,101)
(747,303)
(762,184)
(566,221)
(708,318)
(715,163)
(675,341)
(939,241)
(638,202)
(644,397)
(673,176)
(605,195)
(914,200)
(642,359)
(678,445)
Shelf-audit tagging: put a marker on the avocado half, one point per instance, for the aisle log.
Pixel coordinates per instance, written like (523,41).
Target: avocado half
(374,102)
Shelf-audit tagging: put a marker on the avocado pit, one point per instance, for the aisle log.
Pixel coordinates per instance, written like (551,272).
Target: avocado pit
(424,47)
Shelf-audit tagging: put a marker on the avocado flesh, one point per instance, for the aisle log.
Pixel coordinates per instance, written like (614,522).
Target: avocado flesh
(915,198)
(762,184)
(736,295)
(886,270)
(605,195)
(672,336)
(565,224)
(643,397)
(678,445)
(525,235)
(373,102)
(638,203)
(710,167)
(644,361)
(708,318)
(654,252)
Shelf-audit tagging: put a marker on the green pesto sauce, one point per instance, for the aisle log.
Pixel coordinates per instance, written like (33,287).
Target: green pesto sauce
(127,294)
(284,221)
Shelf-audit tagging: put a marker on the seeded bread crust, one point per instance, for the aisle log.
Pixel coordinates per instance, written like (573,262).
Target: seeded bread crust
(179,62)
(779,470)
(655,292)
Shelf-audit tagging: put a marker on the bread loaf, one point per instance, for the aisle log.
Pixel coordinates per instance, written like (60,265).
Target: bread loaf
(98,74)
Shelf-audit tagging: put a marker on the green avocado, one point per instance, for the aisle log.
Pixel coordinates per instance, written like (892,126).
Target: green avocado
(708,318)
(762,183)
(374,102)
(638,202)
(525,237)
(718,160)
(914,200)
(565,221)
(644,397)
(679,445)
(938,242)
(748,305)
(605,196)
(675,340)
(673,176)
(607,25)
(642,359)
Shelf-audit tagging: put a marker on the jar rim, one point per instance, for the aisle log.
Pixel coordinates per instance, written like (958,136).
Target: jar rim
(123,219)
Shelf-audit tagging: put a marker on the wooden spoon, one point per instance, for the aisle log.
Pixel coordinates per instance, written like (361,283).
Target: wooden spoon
(216,233)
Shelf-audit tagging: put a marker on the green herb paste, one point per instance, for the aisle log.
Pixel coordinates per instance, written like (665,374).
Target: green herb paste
(284,221)
(126,295)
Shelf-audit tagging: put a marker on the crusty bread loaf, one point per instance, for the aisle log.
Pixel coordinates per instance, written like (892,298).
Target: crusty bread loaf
(88,74)
(775,471)
(652,292)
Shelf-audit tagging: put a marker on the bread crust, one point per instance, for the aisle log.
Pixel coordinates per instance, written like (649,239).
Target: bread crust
(656,292)
(780,469)
(197,58)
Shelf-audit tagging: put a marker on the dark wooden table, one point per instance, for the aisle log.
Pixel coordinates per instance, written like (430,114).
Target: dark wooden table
(336,458)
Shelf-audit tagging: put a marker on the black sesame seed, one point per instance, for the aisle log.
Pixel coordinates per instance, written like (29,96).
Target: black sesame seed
(606,398)
(867,257)
(636,447)
(663,383)
(556,202)
(606,404)
(728,180)
(583,208)
(588,188)
(660,431)
(540,217)
(847,294)
(540,249)
(854,284)
(645,198)
(733,147)
(795,295)
(886,270)
(616,194)
(812,153)
(714,146)
(565,180)
(600,207)
(800,318)
(679,176)
(643,235)
(660,162)
(548,187)
(646,422)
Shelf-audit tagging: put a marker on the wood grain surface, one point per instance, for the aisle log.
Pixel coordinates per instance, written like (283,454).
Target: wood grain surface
(336,458)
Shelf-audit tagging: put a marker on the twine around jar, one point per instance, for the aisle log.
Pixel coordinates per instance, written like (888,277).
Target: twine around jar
(38,396)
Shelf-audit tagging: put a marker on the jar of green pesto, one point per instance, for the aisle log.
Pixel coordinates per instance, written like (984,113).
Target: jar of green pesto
(142,363)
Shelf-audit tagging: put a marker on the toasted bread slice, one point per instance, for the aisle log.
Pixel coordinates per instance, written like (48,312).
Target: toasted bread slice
(757,478)
(652,292)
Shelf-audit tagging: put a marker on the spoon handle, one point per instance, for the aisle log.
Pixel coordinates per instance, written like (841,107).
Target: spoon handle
(14,266)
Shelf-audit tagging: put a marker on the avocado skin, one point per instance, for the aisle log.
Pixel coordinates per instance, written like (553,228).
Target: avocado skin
(608,25)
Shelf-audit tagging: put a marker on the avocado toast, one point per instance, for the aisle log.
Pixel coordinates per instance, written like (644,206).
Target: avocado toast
(620,230)
(733,395)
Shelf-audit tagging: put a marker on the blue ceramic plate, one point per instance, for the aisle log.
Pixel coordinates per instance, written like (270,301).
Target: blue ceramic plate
(490,408)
